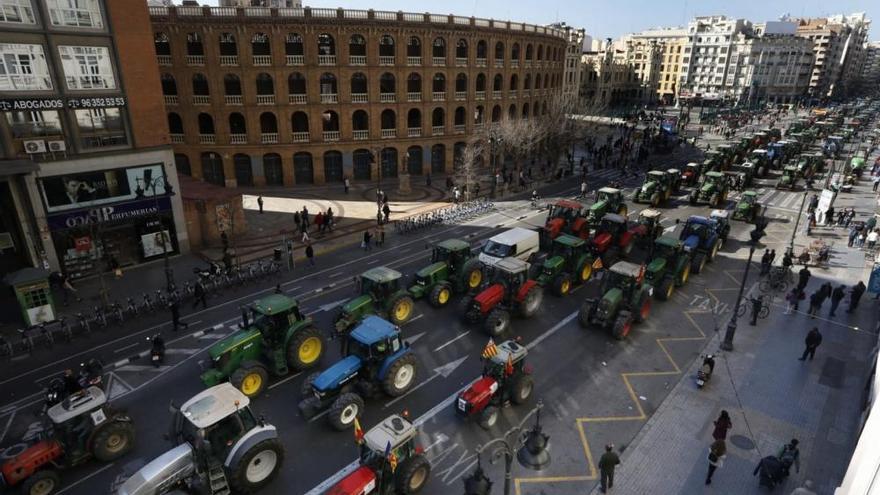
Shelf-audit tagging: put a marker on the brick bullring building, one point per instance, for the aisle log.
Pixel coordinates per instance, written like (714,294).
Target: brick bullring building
(266,96)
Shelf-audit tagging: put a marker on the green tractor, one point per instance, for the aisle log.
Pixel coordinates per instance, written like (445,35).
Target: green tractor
(379,293)
(656,189)
(760,159)
(713,189)
(569,262)
(275,338)
(452,270)
(748,207)
(728,153)
(609,200)
(669,268)
(788,180)
(810,164)
(625,299)
(714,161)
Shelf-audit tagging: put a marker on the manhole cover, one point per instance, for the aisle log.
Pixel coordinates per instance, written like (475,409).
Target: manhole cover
(742,442)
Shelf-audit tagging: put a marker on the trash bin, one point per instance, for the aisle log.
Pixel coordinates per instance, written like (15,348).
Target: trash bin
(276,254)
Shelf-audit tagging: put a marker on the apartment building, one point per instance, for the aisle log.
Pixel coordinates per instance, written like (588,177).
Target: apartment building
(670,42)
(573,70)
(704,58)
(839,52)
(870,75)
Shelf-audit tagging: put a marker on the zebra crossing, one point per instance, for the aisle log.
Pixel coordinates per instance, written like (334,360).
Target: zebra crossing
(779,199)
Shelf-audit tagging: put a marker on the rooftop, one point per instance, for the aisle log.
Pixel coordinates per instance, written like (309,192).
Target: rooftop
(372,329)
(627,269)
(211,405)
(275,304)
(382,274)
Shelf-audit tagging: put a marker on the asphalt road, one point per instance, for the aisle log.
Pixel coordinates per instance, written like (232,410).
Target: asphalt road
(585,378)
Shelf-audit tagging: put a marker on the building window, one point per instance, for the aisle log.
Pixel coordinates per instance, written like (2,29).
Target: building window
(87,67)
(23,68)
(101,127)
(75,13)
(28,124)
(17,11)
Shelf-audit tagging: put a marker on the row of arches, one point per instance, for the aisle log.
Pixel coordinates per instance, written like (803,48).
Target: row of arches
(358,84)
(295,45)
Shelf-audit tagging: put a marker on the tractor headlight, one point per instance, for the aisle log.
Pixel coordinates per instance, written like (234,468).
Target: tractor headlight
(318,394)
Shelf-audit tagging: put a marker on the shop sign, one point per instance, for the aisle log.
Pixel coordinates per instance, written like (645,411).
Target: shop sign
(10,105)
(108,213)
(96,102)
(86,189)
(83,244)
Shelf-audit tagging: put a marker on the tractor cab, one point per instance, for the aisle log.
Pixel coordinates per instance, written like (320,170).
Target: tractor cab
(715,180)
(696,231)
(565,209)
(566,246)
(379,282)
(508,360)
(608,199)
(649,218)
(373,340)
(789,177)
(214,421)
(691,173)
(273,315)
(73,419)
(396,436)
(623,275)
(454,252)
(511,273)
(720,220)
(714,160)
(610,194)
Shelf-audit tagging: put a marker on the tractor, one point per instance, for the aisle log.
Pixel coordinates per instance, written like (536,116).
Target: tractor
(729,154)
(626,299)
(747,171)
(78,429)
(702,240)
(713,189)
(567,217)
(390,463)
(810,164)
(788,179)
(222,447)
(748,207)
(506,379)
(375,359)
(452,270)
(614,236)
(669,268)
(608,200)
(568,262)
(691,173)
(649,226)
(760,159)
(510,290)
(714,161)
(656,189)
(275,337)
(379,293)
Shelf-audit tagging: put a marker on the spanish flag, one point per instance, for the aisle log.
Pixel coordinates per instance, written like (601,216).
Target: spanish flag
(597,265)
(358,432)
(392,462)
(508,368)
(490,350)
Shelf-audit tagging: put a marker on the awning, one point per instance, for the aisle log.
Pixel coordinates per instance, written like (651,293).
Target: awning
(17,167)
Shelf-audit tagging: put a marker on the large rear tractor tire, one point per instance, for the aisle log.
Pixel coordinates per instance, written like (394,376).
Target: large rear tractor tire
(698,263)
(471,275)
(305,349)
(655,199)
(643,310)
(665,290)
(497,322)
(306,388)
(43,482)
(401,309)
(684,276)
(531,303)
(440,294)
(344,410)
(257,467)
(714,251)
(562,285)
(585,271)
(489,417)
(113,440)
(622,325)
(464,309)
(401,375)
(412,475)
(251,378)
(522,389)
(588,309)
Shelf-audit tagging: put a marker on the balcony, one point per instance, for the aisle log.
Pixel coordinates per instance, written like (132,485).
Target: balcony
(414,132)
(201,100)
(438,96)
(480,95)
(361,135)
(511,93)
(233,100)
(496,95)
(295,59)
(326,59)
(413,61)
(330,136)
(265,99)
(499,63)
(438,130)
(385,60)
(414,97)
(238,139)
(195,60)
(389,133)
(387,97)
(460,62)
(514,64)
(269,138)
(438,61)
(528,64)
(481,62)
(163,59)
(171,99)
(478,126)
(300,137)
(357,60)
(262,60)
(207,139)
(177,139)
(228,60)
(461,95)
(329,98)
(297,99)
(359,97)
(458,128)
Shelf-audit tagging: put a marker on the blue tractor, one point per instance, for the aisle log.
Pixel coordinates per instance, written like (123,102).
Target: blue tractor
(701,236)
(375,359)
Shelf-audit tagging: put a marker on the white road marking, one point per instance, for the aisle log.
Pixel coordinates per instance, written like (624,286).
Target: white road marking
(129,346)
(8,424)
(461,335)
(444,371)
(414,319)
(183,351)
(334,275)
(285,380)
(84,478)
(141,367)
(319,415)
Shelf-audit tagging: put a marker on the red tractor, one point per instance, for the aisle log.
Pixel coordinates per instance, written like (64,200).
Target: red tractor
(614,236)
(567,217)
(506,379)
(79,428)
(510,290)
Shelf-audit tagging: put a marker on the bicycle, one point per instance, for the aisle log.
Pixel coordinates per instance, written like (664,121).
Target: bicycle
(116,310)
(66,331)
(5,347)
(778,280)
(99,317)
(147,302)
(131,306)
(764,312)
(26,341)
(83,323)
(47,335)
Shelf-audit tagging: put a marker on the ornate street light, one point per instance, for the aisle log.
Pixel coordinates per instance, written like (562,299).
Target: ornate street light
(756,234)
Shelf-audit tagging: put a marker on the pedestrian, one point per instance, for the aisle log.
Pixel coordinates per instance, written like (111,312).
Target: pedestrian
(67,288)
(346,184)
(772,256)
(862,237)
(757,304)
(200,295)
(722,424)
(803,277)
(328,219)
(829,216)
(791,298)
(876,182)
(297,221)
(305,218)
(607,463)
(805,489)
(174,306)
(816,300)
(260,203)
(387,211)
(305,238)
(381,236)
(310,254)
(365,244)
(837,296)
(811,342)
(583,189)
(319,222)
(717,452)
(855,295)
(765,262)
(769,471)
(790,455)
(872,239)
(278,289)
(853,234)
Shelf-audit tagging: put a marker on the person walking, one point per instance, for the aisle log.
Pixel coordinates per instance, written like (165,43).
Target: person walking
(174,306)
(583,189)
(200,295)
(837,295)
(872,239)
(806,489)
(722,424)
(757,305)
(803,277)
(260,203)
(319,222)
(346,184)
(381,236)
(765,262)
(305,218)
(67,288)
(297,221)
(366,242)
(310,254)
(876,183)
(855,295)
(811,342)
(791,299)
(717,452)
(607,463)
(790,455)
(816,300)
(305,237)
(328,219)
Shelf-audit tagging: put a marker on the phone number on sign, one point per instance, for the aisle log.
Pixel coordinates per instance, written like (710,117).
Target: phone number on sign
(96,102)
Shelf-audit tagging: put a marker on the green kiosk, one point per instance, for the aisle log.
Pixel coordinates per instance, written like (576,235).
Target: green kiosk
(34,295)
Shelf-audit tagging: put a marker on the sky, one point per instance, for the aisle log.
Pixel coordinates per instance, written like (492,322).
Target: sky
(613,18)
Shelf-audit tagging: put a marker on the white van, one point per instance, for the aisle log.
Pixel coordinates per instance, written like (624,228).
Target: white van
(517,243)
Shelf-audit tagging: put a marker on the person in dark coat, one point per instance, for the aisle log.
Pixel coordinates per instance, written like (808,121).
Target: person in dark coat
(199,295)
(855,295)
(174,306)
(816,300)
(837,295)
(607,463)
(769,471)
(260,203)
(387,211)
(803,278)
(811,342)
(722,424)
(310,254)
(765,262)
(757,305)
(717,451)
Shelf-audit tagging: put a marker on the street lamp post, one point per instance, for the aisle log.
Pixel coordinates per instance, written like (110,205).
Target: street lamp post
(797,222)
(756,235)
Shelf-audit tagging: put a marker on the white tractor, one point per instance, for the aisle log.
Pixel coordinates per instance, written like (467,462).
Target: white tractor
(222,449)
